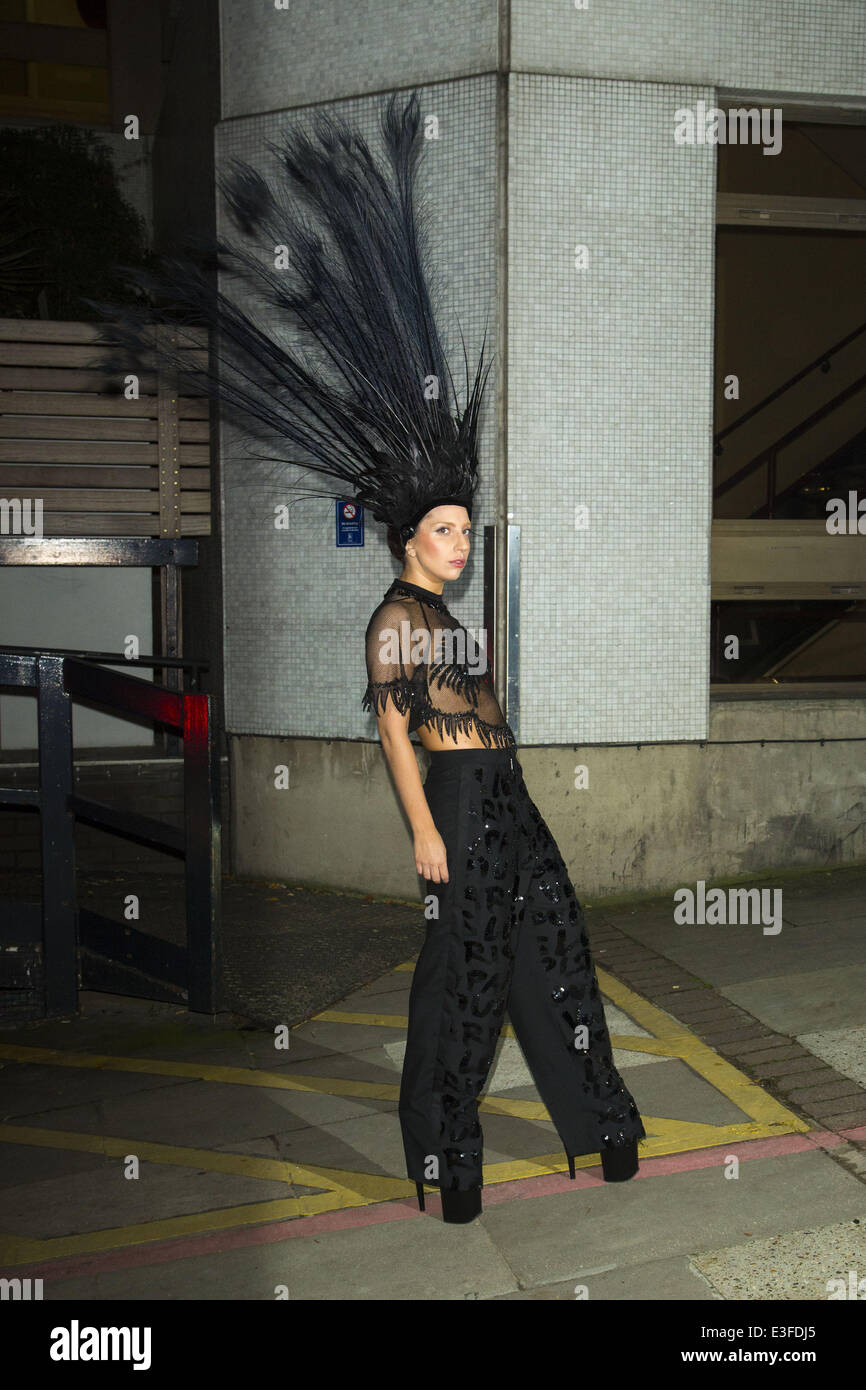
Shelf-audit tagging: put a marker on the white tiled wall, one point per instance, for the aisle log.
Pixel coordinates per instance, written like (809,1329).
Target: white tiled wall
(280,55)
(610,407)
(808,46)
(296,606)
(320,50)
(610,368)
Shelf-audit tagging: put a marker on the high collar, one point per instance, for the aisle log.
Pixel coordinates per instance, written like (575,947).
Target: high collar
(427,595)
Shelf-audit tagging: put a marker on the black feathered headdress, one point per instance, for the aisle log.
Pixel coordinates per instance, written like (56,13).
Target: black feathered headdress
(364,395)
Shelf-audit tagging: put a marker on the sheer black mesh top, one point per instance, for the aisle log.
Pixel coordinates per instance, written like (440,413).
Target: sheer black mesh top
(423,660)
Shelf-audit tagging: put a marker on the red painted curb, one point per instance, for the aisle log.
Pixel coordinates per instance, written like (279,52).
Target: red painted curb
(406,1208)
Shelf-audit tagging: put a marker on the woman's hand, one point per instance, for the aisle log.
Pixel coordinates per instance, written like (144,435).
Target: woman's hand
(430,856)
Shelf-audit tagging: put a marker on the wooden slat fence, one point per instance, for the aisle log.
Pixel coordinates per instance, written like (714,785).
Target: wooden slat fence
(102,465)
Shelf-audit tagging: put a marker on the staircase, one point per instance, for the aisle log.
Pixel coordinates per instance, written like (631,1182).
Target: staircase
(794,621)
(789,476)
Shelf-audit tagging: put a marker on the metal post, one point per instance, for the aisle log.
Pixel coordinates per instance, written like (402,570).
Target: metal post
(513,620)
(489,601)
(59,927)
(201,790)
(172,676)
(168,446)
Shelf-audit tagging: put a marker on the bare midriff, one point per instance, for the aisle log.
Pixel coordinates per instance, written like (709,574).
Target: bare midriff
(434,742)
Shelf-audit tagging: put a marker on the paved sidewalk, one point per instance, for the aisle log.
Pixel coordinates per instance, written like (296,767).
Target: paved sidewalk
(153,1154)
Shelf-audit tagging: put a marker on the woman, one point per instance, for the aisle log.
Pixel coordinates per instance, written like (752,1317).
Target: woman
(504,925)
(359,392)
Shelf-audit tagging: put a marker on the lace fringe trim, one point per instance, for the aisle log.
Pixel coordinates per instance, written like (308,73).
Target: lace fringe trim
(492,735)
(400,691)
(457,678)
(406,699)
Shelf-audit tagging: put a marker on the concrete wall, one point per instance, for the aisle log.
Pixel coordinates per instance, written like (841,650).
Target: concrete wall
(652,818)
(609,406)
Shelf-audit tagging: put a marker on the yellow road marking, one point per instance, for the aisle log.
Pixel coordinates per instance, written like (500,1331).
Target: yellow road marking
(670,1039)
(632,1041)
(341,1188)
(345,1188)
(200,1071)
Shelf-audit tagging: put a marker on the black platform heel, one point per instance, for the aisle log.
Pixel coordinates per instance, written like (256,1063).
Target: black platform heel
(617,1165)
(457,1207)
(460,1206)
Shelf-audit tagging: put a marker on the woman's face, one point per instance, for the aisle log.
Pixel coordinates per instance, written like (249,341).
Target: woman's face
(441,543)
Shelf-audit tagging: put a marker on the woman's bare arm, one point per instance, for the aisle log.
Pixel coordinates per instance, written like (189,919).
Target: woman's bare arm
(430,854)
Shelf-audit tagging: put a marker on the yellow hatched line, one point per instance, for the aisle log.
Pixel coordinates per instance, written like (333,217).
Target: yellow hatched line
(345,1188)
(239,1076)
(669,1039)
(200,1071)
(747,1095)
(341,1188)
(631,1042)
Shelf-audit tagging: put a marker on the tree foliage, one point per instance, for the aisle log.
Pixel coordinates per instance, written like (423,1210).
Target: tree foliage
(64,224)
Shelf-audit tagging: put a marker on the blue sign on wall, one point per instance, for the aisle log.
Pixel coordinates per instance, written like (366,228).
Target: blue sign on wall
(350,523)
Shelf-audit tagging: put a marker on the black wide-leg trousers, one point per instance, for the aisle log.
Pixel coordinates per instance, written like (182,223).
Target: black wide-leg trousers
(506,931)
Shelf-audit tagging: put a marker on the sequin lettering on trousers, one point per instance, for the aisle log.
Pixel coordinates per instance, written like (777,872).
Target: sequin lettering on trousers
(511,936)
(556,921)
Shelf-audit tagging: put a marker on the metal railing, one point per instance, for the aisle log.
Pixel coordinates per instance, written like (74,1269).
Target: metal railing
(823,361)
(768,456)
(168,971)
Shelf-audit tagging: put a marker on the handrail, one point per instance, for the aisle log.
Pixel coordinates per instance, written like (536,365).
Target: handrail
(786,386)
(768,454)
(828,462)
(193,664)
(114,691)
(57,679)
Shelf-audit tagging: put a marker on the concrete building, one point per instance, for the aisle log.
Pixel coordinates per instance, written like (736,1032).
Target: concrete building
(677,638)
(567,211)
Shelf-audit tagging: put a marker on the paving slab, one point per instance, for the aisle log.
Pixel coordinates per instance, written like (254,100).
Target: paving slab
(43,1210)
(815,1263)
(548,1239)
(663,1281)
(806,1001)
(414,1261)
(216,1214)
(843,1048)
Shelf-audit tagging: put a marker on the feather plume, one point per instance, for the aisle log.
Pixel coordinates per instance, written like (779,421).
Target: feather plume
(363,395)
